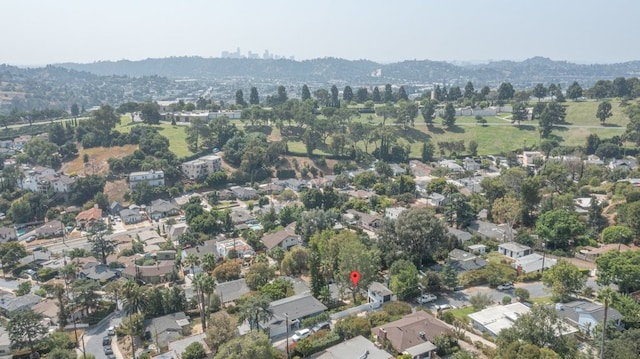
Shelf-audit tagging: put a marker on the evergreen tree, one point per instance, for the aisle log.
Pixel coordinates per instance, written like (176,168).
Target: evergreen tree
(376,95)
(388,94)
(254,99)
(347,94)
(306,94)
(449,116)
(240,99)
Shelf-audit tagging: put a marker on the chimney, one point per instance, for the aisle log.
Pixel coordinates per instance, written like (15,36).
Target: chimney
(423,336)
(382,334)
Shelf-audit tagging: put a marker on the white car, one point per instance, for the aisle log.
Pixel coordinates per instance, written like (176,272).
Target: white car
(111,331)
(505,286)
(445,307)
(300,334)
(30,239)
(426,298)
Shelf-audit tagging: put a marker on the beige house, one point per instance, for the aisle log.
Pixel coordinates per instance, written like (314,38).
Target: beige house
(202,167)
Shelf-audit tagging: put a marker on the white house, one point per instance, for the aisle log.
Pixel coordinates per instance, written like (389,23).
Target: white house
(202,167)
(152,178)
(514,250)
(533,263)
(240,245)
(493,320)
(393,212)
(378,293)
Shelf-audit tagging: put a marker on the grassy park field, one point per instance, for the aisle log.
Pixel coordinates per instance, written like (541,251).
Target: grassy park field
(498,135)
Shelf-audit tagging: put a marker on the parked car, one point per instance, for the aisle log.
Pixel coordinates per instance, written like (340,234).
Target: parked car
(426,298)
(111,331)
(301,334)
(442,307)
(30,239)
(106,341)
(321,326)
(505,286)
(108,350)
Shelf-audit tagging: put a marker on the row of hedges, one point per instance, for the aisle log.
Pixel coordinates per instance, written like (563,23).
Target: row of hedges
(316,343)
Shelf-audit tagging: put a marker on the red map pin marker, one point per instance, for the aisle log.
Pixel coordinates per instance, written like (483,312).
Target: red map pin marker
(355,277)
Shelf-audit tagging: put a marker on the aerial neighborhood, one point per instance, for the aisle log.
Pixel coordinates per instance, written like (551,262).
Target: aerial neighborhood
(382,219)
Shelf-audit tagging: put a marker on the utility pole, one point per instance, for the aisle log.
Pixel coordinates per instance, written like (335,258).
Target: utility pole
(286,316)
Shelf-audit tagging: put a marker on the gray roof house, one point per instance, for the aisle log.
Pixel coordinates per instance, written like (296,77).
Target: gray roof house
(177,229)
(585,315)
(514,250)
(490,230)
(232,290)
(5,344)
(50,229)
(244,193)
(130,216)
(8,234)
(166,328)
(357,347)
(161,208)
(462,236)
(98,272)
(9,303)
(463,261)
(296,308)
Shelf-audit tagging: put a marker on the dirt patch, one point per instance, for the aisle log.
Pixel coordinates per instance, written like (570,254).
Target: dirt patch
(97,163)
(115,190)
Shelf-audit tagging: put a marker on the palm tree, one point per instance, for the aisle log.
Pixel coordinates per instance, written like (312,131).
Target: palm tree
(198,283)
(133,297)
(114,290)
(209,262)
(256,310)
(606,295)
(191,261)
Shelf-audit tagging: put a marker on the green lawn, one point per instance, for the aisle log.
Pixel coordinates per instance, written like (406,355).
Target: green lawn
(176,135)
(461,313)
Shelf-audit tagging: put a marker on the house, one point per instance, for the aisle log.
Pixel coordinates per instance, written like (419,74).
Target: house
(180,346)
(514,250)
(5,344)
(363,220)
(166,255)
(202,167)
(130,216)
(357,347)
(397,170)
(241,215)
(420,169)
(435,199)
(412,334)
(242,248)
(463,261)
(478,248)
(167,328)
(462,236)
(62,183)
(285,238)
(36,257)
(452,165)
(379,293)
(294,184)
(585,315)
(51,229)
(470,164)
(9,303)
(153,178)
(209,246)
(593,254)
(8,234)
(49,309)
(232,290)
(533,263)
(269,189)
(154,274)
(115,207)
(322,182)
(489,230)
(529,158)
(393,212)
(492,320)
(295,308)
(244,193)
(176,230)
(161,208)
(98,272)
(628,164)
(86,219)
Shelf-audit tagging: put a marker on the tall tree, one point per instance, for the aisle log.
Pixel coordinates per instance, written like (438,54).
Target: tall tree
(519,112)
(428,112)
(402,94)
(150,113)
(254,99)
(574,91)
(606,295)
(10,255)
(347,94)
(388,94)
(355,256)
(26,329)
(306,94)
(75,111)
(506,91)
(376,96)
(604,111)
(240,98)
(449,116)
(539,91)
(101,245)
(335,101)
(469,92)
(404,279)
(255,310)
(559,227)
(362,95)
(564,279)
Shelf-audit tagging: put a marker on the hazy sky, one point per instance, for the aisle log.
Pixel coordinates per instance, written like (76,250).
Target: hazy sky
(36,32)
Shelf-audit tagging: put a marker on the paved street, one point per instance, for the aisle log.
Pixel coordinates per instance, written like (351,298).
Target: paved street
(93,336)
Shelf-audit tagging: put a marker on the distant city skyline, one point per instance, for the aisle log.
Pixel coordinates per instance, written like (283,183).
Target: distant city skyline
(37,32)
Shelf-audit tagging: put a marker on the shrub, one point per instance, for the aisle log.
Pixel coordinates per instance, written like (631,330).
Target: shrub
(397,308)
(506,300)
